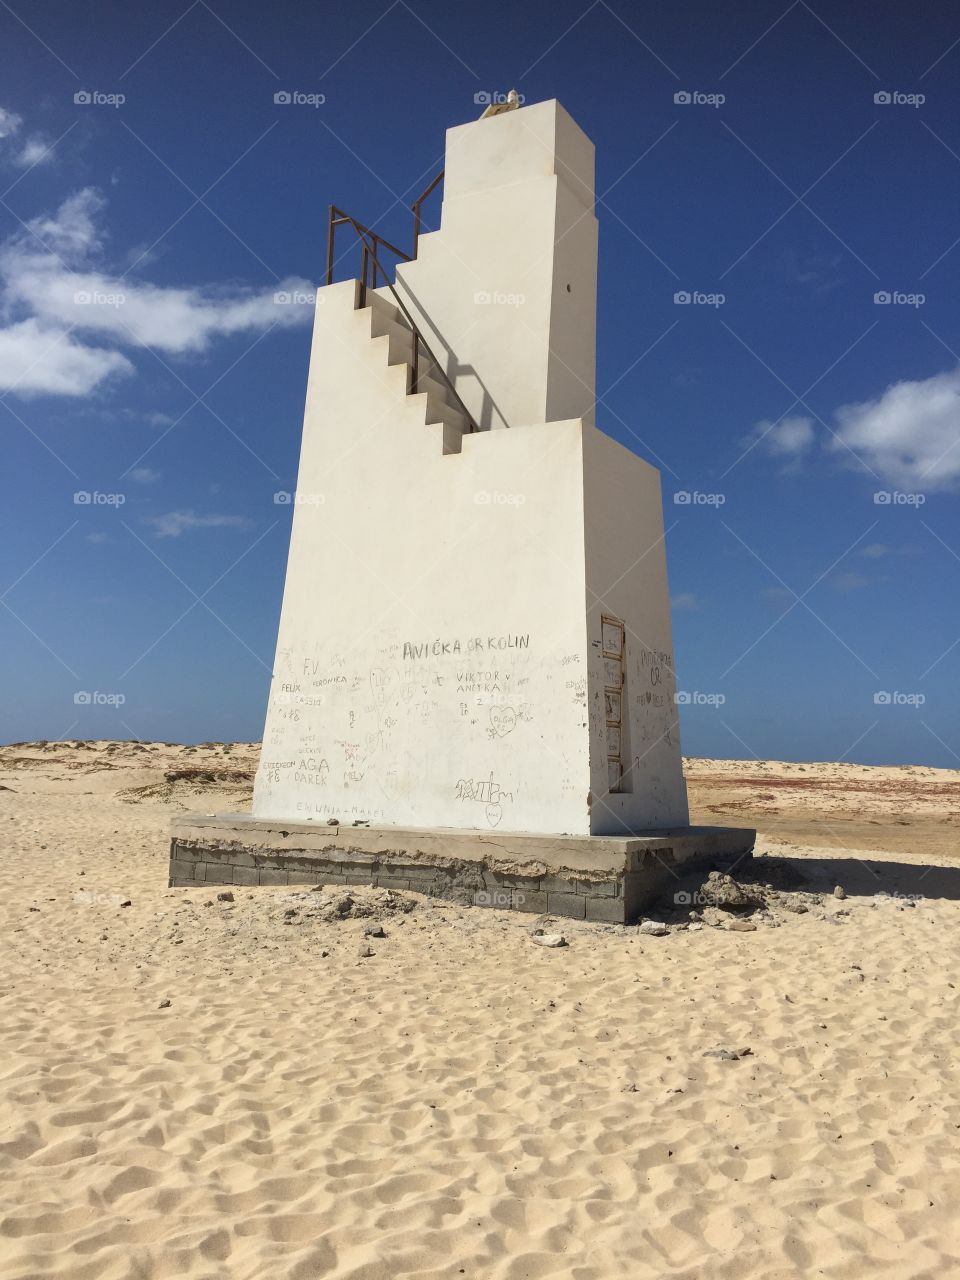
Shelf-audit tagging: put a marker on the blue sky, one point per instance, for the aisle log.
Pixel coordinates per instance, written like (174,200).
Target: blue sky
(782,186)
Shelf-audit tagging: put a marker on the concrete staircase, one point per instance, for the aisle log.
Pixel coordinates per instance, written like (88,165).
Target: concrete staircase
(392,334)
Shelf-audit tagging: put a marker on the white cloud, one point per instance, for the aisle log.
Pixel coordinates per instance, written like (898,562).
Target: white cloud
(52,281)
(35,150)
(173,523)
(71,231)
(789,438)
(35,360)
(51,273)
(145,475)
(153,418)
(849,581)
(9,123)
(684,602)
(778,595)
(875,551)
(909,435)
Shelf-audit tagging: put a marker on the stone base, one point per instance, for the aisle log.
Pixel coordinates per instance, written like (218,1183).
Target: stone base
(609,878)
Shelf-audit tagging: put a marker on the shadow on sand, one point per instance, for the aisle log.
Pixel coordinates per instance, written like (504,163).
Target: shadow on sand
(859,877)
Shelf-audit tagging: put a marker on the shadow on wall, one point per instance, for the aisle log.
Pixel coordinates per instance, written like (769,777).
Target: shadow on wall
(451,366)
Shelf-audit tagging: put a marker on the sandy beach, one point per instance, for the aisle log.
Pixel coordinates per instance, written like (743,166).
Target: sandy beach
(251,1085)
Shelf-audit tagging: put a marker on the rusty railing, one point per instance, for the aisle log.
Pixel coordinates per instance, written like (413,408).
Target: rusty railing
(337,218)
(416,207)
(370,268)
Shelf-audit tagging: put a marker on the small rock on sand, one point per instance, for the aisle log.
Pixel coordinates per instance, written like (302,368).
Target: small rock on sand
(728,1055)
(723,891)
(654,929)
(549,939)
(740,926)
(225,897)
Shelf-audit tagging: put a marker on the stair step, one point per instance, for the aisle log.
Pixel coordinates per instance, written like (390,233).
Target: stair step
(435,387)
(401,340)
(433,395)
(381,302)
(437,410)
(395,350)
(451,438)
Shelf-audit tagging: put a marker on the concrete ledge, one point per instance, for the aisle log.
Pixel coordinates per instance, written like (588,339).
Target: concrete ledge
(610,878)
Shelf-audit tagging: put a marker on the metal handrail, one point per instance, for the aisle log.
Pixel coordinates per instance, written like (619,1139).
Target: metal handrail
(337,217)
(415,209)
(368,255)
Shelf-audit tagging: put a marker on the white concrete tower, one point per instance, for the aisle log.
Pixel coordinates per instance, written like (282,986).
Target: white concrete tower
(475,629)
(506,291)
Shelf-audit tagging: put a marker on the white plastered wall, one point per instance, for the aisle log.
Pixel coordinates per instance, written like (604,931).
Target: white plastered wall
(506,290)
(431,663)
(626,578)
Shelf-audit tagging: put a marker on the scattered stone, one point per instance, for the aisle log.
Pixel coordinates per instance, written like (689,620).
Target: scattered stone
(225,897)
(840,892)
(364,951)
(374,931)
(721,890)
(795,905)
(164,1004)
(728,1055)
(324,954)
(741,926)
(694,926)
(341,904)
(127,902)
(333,822)
(654,929)
(335,904)
(549,939)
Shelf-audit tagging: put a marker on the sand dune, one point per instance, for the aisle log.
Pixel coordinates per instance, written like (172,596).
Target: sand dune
(200,1087)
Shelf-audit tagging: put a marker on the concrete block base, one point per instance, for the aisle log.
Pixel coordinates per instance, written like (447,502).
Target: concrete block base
(608,878)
